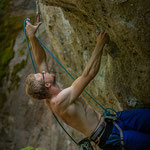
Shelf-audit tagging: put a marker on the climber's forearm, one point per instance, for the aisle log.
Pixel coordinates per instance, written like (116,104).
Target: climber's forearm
(93,65)
(88,74)
(39,54)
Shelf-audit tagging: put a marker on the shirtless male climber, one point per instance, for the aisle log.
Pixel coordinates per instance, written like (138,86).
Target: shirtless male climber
(75,112)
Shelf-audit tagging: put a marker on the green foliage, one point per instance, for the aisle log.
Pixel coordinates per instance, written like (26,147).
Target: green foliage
(28,148)
(40,148)
(31,148)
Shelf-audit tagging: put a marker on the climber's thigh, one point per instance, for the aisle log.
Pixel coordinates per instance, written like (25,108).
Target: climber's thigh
(134,140)
(136,120)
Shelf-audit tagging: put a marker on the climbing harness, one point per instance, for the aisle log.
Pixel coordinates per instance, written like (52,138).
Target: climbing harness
(85,143)
(121,135)
(113,118)
(96,135)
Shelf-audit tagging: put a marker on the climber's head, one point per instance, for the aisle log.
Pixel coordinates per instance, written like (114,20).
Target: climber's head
(38,86)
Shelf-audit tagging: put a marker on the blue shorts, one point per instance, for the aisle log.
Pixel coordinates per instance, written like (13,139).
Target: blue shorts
(136,130)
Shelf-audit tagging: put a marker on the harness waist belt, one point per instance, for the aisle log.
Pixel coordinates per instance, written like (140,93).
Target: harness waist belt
(98,132)
(101,135)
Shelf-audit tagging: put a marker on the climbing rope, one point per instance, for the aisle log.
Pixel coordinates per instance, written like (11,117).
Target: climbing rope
(36,72)
(106,110)
(28,45)
(64,129)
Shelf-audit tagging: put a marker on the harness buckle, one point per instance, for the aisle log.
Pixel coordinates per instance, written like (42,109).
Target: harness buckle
(85,144)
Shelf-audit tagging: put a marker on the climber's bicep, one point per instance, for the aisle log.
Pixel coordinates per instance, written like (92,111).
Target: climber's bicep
(78,86)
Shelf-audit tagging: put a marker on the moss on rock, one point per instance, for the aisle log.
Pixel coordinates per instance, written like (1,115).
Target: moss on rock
(9,28)
(14,77)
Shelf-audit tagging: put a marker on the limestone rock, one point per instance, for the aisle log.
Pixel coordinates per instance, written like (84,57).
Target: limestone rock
(123,80)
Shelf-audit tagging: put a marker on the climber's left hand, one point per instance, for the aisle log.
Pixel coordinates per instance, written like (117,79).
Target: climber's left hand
(31,29)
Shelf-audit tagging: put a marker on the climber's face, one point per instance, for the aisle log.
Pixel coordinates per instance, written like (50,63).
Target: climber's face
(46,77)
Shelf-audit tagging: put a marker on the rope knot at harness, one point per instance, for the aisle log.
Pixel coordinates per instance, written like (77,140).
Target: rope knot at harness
(107,113)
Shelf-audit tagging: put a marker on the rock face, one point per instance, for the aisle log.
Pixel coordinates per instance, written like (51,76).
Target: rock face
(71,29)
(123,80)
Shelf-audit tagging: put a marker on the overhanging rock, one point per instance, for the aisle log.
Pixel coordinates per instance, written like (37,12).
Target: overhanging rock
(124,77)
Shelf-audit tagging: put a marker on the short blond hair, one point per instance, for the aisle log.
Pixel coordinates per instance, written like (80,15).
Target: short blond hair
(36,88)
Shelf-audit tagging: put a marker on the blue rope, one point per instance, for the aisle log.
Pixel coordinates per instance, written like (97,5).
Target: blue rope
(68,72)
(28,45)
(56,59)
(106,112)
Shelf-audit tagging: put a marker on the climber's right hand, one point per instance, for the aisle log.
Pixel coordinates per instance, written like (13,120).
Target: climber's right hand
(103,37)
(31,29)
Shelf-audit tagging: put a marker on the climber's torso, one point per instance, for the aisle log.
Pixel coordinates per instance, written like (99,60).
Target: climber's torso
(77,114)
